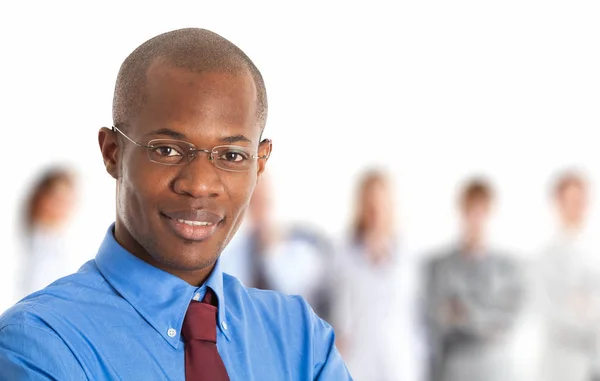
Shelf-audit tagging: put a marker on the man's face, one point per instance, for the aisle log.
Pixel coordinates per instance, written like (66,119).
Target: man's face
(475,215)
(179,218)
(572,204)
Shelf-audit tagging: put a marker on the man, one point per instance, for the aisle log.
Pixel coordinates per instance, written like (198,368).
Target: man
(473,299)
(569,289)
(186,151)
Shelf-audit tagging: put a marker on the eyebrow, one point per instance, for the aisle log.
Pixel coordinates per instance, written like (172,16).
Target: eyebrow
(236,139)
(178,135)
(168,132)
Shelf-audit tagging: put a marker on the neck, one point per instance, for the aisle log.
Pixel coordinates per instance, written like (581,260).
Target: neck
(572,227)
(473,245)
(382,232)
(195,278)
(45,223)
(377,243)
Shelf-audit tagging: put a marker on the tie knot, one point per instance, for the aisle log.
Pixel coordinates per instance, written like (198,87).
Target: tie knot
(200,322)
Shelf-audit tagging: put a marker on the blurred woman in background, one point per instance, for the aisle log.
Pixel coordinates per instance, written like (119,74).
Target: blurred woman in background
(47,212)
(375,308)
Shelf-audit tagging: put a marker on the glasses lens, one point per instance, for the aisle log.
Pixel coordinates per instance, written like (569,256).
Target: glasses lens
(233,158)
(169,152)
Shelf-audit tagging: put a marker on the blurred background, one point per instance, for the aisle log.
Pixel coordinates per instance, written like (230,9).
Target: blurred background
(432,96)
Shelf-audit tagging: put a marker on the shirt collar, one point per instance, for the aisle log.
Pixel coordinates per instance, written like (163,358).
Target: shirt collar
(161,298)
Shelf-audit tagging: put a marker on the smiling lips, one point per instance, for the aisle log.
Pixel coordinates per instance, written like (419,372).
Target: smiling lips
(193,225)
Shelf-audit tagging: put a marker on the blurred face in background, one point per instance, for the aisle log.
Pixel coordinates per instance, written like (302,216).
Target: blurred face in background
(377,205)
(475,219)
(572,202)
(55,204)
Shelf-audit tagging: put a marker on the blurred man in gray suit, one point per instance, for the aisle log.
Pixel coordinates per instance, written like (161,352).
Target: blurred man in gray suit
(473,297)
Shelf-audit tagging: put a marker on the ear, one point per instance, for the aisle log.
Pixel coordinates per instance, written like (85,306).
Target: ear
(264,152)
(109,148)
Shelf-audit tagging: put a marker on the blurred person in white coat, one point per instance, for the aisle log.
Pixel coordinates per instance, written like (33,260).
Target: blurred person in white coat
(375,309)
(568,272)
(46,217)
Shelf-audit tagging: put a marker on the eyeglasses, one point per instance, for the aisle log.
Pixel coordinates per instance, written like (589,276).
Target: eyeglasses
(177,152)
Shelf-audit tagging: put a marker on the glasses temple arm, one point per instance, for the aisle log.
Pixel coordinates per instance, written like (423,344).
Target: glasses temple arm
(131,140)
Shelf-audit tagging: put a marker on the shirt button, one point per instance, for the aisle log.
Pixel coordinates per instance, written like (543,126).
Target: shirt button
(224,325)
(197,296)
(171,332)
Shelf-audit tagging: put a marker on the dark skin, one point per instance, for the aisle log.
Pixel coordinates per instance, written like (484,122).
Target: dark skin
(206,109)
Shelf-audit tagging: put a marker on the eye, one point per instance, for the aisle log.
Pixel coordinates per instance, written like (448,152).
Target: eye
(167,151)
(233,156)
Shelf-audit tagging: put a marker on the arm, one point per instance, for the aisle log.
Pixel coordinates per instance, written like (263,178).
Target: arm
(328,363)
(421,347)
(435,327)
(570,303)
(453,318)
(341,316)
(34,354)
(495,316)
(444,314)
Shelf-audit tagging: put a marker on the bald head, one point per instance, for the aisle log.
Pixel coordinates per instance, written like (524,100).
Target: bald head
(196,50)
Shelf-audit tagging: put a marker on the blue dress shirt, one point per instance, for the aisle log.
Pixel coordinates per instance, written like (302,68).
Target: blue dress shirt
(119,318)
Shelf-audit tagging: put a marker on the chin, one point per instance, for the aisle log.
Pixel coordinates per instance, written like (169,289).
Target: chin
(196,254)
(188,248)
(183,261)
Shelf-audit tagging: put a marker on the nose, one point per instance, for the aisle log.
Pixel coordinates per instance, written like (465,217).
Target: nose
(199,178)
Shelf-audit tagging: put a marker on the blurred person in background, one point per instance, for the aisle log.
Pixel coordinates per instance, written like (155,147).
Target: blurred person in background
(375,309)
(473,299)
(46,217)
(269,256)
(569,289)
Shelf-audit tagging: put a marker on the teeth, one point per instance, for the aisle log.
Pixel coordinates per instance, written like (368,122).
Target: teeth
(194,223)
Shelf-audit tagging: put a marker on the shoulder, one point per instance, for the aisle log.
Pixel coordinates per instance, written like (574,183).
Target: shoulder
(438,258)
(29,332)
(288,323)
(266,303)
(274,317)
(345,250)
(26,322)
(506,260)
(60,299)
(31,350)
(288,317)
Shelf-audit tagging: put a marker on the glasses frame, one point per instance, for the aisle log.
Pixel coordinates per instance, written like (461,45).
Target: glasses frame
(192,153)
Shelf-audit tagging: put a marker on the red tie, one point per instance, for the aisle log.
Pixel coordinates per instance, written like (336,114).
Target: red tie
(202,360)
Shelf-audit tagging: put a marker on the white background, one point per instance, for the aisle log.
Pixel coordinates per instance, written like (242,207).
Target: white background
(434,91)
